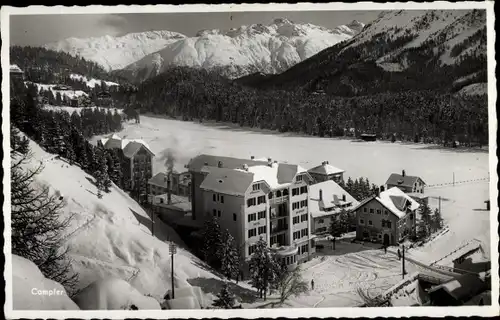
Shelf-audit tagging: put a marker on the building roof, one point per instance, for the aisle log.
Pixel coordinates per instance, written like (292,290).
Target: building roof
(14,68)
(159,179)
(325,169)
(397,179)
(177,202)
(462,288)
(197,163)
(461,251)
(332,196)
(393,200)
(129,147)
(227,181)
(276,175)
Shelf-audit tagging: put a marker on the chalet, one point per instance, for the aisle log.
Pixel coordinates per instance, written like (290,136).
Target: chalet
(407,184)
(16,74)
(136,159)
(387,217)
(326,200)
(326,172)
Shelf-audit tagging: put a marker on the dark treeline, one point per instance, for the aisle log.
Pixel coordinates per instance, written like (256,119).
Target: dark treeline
(66,135)
(427,115)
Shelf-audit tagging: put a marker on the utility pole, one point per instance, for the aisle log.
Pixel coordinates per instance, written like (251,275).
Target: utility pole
(453,178)
(403,262)
(439,204)
(173,251)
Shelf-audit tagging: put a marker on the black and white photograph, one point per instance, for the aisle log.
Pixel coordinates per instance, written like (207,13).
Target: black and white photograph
(297,160)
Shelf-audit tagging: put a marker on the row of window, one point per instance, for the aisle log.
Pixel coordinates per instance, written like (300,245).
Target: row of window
(300,218)
(299,190)
(299,204)
(301,233)
(218,214)
(373,211)
(253,232)
(279,193)
(303,249)
(385,223)
(255,201)
(218,198)
(255,216)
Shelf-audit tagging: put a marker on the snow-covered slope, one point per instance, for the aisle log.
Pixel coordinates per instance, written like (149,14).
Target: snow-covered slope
(248,49)
(116,52)
(32,291)
(111,236)
(91,82)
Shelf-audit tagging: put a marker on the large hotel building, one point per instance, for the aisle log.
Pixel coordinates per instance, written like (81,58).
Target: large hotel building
(255,198)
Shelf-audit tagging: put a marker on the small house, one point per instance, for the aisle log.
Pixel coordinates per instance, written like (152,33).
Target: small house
(406,183)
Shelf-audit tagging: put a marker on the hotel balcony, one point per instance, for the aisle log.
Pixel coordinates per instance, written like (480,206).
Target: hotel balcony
(278,200)
(288,254)
(279,228)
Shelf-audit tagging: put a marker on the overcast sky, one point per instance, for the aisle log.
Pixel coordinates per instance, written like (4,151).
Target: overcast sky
(37,30)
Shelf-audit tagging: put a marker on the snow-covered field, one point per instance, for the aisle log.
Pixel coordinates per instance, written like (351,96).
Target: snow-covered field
(91,82)
(111,237)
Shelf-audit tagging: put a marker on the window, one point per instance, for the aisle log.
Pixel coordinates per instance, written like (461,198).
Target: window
(285,192)
(270,195)
(389,224)
(378,211)
(262,214)
(361,221)
(321,220)
(295,205)
(252,232)
(251,249)
(370,223)
(304,249)
(256,187)
(218,213)
(262,230)
(303,203)
(295,191)
(299,178)
(303,217)
(221,199)
(296,220)
(371,210)
(251,202)
(251,217)
(161,200)
(411,216)
(303,189)
(385,212)
(214,212)
(296,235)
(234,216)
(261,199)
(278,193)
(383,223)
(303,233)
(364,209)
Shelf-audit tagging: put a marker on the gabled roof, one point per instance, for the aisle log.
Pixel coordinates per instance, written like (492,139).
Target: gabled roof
(159,179)
(14,68)
(393,200)
(332,196)
(197,163)
(325,169)
(397,179)
(227,181)
(133,147)
(462,288)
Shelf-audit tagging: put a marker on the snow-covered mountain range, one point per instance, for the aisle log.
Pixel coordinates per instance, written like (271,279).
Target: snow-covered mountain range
(269,48)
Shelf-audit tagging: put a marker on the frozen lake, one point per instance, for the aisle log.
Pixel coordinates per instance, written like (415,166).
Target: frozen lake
(375,160)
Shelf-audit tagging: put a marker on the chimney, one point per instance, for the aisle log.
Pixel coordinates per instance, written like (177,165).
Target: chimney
(275,161)
(343,197)
(327,162)
(323,163)
(380,189)
(245,167)
(252,158)
(270,162)
(403,173)
(320,195)
(219,164)
(169,192)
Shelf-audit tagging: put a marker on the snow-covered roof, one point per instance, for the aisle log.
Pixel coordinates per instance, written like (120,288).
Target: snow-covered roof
(129,146)
(272,176)
(462,250)
(14,68)
(178,202)
(332,194)
(325,169)
(393,200)
(396,179)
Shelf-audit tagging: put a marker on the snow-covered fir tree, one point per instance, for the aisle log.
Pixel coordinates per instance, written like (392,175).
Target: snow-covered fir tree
(225,298)
(264,268)
(228,255)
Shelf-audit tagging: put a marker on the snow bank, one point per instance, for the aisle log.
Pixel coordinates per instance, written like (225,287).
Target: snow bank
(70,110)
(32,291)
(113,294)
(111,237)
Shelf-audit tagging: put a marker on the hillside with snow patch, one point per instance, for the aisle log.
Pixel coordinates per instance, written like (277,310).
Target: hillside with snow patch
(91,83)
(111,237)
(78,110)
(70,94)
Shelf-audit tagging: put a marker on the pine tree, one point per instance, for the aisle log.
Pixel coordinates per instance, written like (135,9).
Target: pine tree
(350,186)
(264,268)
(228,255)
(425,213)
(437,219)
(99,182)
(225,298)
(212,240)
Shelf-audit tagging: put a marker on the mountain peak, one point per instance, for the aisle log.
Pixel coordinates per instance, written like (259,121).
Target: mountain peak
(356,25)
(279,21)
